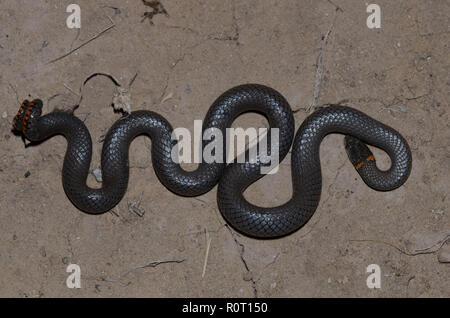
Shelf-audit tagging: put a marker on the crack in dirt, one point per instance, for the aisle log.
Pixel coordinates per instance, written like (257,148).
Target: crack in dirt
(248,278)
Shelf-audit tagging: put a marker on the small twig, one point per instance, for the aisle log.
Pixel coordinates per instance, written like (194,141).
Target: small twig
(198,232)
(76,38)
(83,44)
(112,78)
(133,79)
(400,109)
(441,243)
(272,262)
(319,70)
(155,264)
(101,138)
(320,67)
(136,206)
(165,99)
(114,213)
(416,252)
(71,90)
(407,284)
(208,245)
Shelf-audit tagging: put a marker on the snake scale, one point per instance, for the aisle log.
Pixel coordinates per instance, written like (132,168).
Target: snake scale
(234,178)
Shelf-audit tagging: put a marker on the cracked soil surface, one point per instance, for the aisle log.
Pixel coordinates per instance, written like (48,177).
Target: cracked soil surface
(314,52)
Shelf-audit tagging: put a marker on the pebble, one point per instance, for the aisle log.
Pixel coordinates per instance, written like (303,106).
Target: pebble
(4,115)
(97,172)
(403,109)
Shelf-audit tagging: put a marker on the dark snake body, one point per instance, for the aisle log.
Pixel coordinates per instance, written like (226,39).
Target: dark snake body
(234,178)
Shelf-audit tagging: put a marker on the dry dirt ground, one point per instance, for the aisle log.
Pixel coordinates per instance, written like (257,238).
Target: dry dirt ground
(398,74)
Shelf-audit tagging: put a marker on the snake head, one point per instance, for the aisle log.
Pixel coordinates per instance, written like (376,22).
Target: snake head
(357,151)
(28,111)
